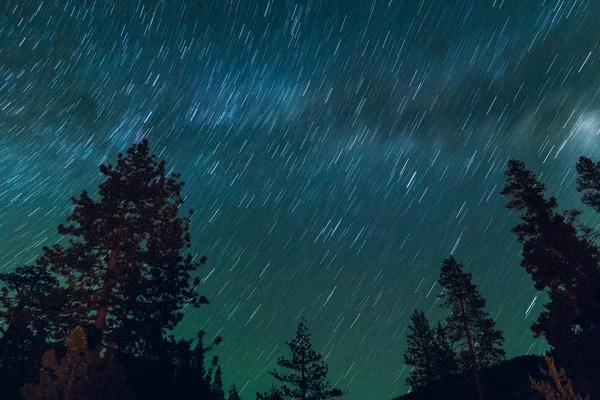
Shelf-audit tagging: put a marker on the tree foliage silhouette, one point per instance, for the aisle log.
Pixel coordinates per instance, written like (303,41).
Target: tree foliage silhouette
(469,328)
(445,356)
(217,385)
(233,393)
(588,182)
(562,257)
(124,275)
(420,343)
(273,394)
(175,369)
(20,360)
(307,379)
(28,295)
(428,351)
(124,258)
(80,374)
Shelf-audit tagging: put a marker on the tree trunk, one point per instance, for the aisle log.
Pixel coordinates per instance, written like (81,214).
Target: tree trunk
(471,352)
(109,279)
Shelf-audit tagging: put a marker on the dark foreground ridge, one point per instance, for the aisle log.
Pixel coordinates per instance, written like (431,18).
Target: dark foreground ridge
(507,380)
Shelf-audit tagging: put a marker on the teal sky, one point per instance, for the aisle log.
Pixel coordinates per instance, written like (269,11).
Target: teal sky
(334,152)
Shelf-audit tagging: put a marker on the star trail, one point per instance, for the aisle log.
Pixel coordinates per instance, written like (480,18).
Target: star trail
(334,153)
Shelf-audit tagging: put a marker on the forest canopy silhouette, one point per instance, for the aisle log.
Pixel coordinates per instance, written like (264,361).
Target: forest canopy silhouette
(94,317)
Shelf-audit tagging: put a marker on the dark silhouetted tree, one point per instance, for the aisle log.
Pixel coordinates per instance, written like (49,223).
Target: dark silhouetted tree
(560,387)
(174,370)
(123,270)
(428,351)
(561,256)
(27,296)
(20,360)
(125,265)
(588,182)
(217,385)
(469,328)
(307,379)
(420,349)
(233,393)
(273,394)
(80,374)
(445,356)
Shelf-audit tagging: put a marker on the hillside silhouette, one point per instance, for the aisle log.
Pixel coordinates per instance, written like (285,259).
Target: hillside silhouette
(506,380)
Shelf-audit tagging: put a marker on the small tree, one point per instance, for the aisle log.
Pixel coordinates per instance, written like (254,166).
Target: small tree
(309,372)
(445,356)
(273,394)
(420,352)
(217,385)
(560,387)
(233,393)
(428,351)
(469,327)
(81,374)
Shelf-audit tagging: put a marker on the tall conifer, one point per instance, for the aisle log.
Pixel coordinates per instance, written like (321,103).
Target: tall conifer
(469,328)
(124,270)
(428,351)
(562,257)
(420,351)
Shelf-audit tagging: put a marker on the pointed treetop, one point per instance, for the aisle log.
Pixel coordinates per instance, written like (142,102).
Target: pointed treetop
(233,393)
(588,182)
(525,189)
(307,379)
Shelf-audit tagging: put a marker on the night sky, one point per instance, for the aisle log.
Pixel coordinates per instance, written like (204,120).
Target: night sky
(334,152)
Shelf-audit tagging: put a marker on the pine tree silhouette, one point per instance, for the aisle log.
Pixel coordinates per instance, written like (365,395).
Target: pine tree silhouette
(309,372)
(125,256)
(273,394)
(445,357)
(420,351)
(27,295)
(469,328)
(233,393)
(562,257)
(217,385)
(588,182)
(124,272)
(428,351)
